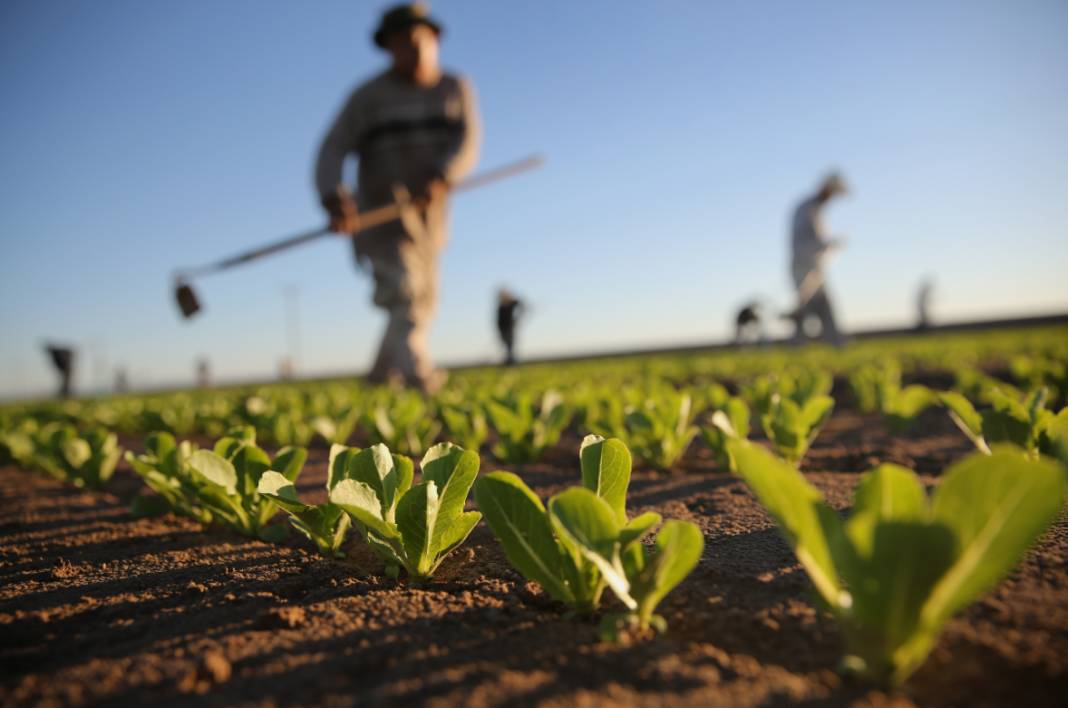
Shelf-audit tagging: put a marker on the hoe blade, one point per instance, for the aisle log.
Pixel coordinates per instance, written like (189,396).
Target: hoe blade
(187,300)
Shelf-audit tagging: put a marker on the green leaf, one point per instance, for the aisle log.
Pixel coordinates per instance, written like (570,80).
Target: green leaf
(214,469)
(891,493)
(804,520)
(587,526)
(338,466)
(76,452)
(963,413)
(518,519)
(290,461)
(281,491)
(453,470)
(677,551)
(361,501)
(890,576)
(606,468)
(377,468)
(417,515)
(996,506)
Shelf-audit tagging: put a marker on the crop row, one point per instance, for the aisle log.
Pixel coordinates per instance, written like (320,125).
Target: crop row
(892,573)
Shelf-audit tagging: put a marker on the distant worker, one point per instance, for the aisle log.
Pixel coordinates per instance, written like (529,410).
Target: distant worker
(509,310)
(748,326)
(203,373)
(122,380)
(811,246)
(923,303)
(62,359)
(414,130)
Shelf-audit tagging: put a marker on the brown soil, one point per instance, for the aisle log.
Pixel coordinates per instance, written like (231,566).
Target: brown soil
(98,606)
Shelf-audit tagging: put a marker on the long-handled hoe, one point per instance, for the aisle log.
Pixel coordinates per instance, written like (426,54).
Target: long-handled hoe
(402,208)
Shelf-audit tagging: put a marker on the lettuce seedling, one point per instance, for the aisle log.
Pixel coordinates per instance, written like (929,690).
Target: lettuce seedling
(324,524)
(639,577)
(800,387)
(164,468)
(792,427)
(410,527)
(584,542)
(728,423)
(1028,424)
(465,424)
(336,430)
(520,521)
(660,430)
(523,432)
(901,565)
(83,460)
(17,442)
(227,479)
(406,424)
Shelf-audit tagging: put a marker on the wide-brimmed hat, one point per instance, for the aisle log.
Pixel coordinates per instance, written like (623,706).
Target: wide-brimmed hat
(403,16)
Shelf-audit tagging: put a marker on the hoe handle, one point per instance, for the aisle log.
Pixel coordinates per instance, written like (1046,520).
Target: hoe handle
(368,219)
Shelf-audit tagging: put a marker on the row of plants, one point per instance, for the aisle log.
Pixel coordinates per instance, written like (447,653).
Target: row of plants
(892,572)
(628,396)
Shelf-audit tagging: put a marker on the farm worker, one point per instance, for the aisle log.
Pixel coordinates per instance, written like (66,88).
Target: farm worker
(923,303)
(811,246)
(509,310)
(416,131)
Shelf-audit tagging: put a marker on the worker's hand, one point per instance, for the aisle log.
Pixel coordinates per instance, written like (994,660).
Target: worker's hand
(435,188)
(344,217)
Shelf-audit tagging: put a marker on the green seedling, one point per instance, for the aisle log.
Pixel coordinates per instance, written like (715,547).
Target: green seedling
(164,468)
(1026,423)
(584,542)
(409,527)
(83,460)
(324,524)
(523,431)
(466,424)
(792,427)
(901,564)
(227,478)
(661,429)
(728,423)
(406,424)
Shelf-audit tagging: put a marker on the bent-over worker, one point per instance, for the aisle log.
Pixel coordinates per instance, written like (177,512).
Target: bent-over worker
(810,247)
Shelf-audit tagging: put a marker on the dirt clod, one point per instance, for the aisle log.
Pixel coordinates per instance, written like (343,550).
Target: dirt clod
(282,618)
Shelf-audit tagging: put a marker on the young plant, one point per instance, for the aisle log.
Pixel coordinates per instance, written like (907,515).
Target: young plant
(227,479)
(728,423)
(901,565)
(410,527)
(83,460)
(466,424)
(406,424)
(164,468)
(523,431)
(336,430)
(1028,424)
(660,430)
(324,524)
(584,542)
(792,427)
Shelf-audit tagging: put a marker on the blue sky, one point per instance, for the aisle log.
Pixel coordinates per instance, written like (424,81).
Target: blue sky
(138,137)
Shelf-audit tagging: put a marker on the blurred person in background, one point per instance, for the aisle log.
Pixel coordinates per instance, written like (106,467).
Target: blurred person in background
(509,310)
(62,359)
(923,303)
(415,130)
(810,248)
(748,326)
